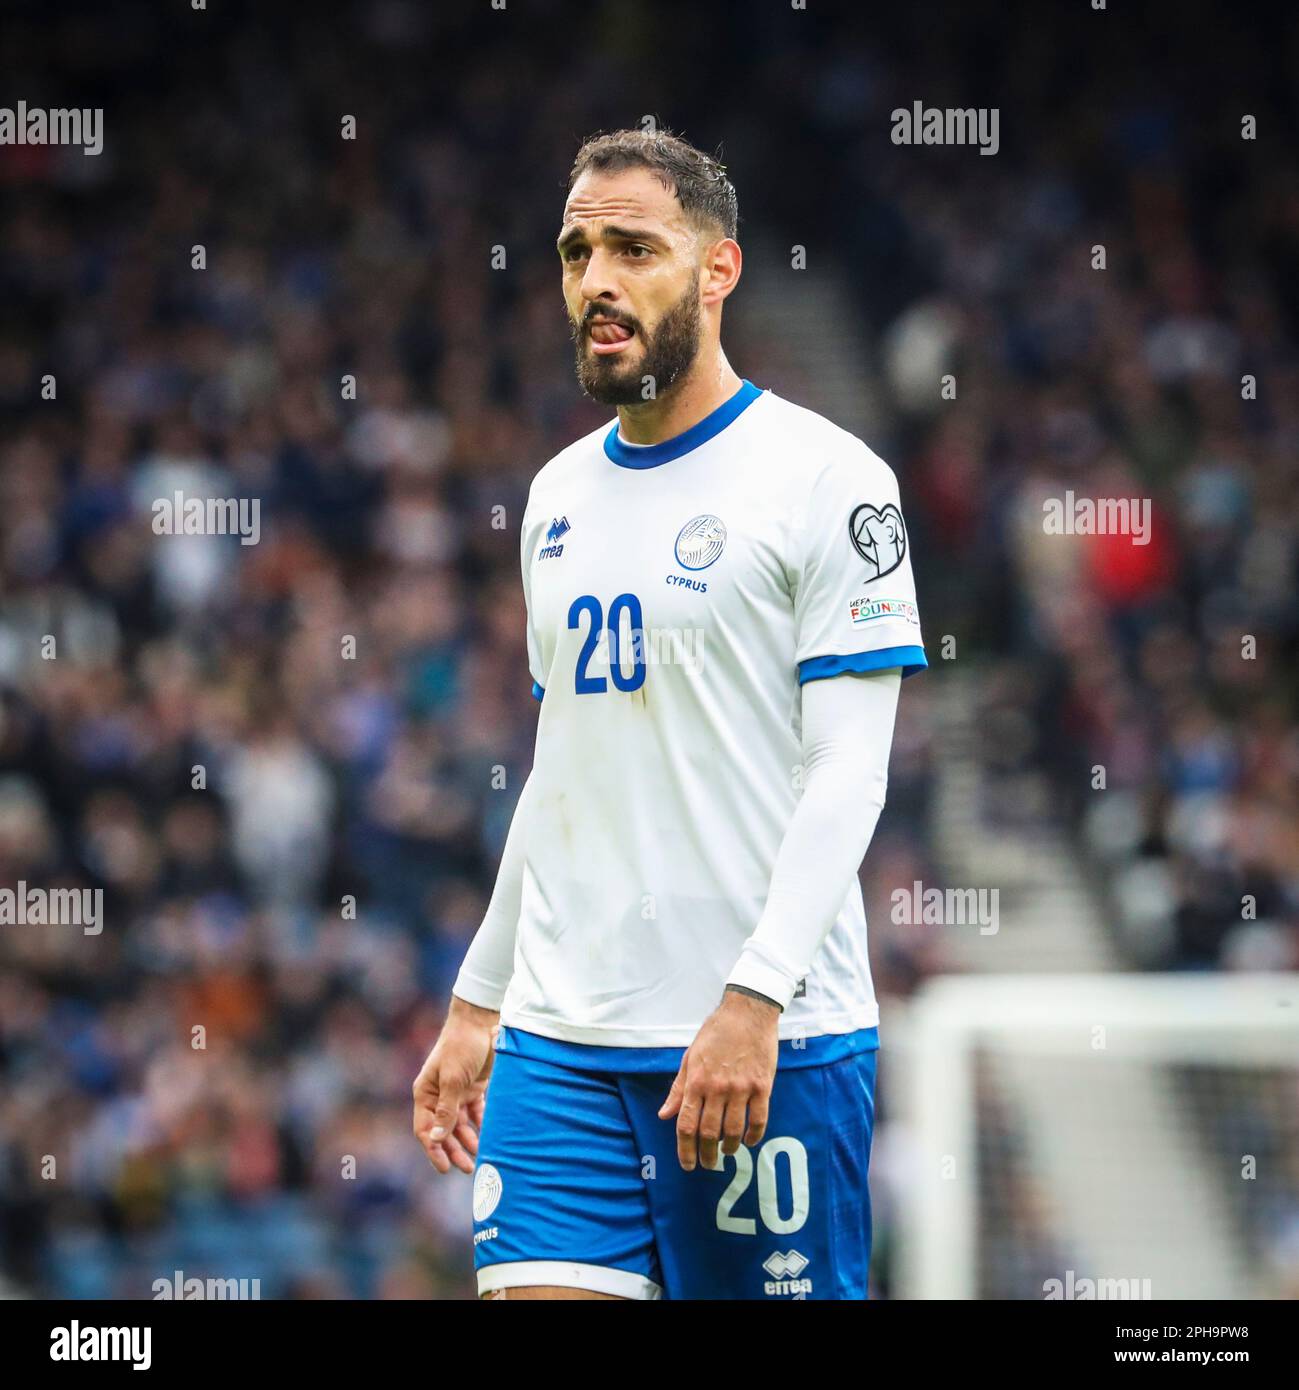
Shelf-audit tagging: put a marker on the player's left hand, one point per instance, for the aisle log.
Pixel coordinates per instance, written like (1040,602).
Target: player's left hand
(727,1071)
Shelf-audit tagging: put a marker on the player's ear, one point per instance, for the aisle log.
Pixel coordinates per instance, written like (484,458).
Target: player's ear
(721,264)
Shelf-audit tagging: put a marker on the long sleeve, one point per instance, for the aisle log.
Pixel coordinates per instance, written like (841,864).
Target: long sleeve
(489,962)
(847,733)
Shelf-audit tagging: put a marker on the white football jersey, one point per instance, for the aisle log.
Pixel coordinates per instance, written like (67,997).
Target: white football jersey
(678,594)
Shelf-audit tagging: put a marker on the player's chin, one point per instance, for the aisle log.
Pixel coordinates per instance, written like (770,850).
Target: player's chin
(610,381)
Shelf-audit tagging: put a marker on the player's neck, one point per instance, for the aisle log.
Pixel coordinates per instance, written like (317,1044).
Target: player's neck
(699,393)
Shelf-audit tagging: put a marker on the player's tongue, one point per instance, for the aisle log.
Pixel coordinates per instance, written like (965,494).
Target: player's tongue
(610,332)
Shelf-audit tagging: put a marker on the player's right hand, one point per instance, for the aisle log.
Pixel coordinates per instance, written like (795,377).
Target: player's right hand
(450,1091)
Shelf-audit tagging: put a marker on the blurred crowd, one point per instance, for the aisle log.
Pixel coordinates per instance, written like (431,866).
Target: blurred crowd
(290,766)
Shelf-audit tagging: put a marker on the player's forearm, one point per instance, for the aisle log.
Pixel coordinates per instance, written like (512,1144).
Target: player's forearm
(847,734)
(489,962)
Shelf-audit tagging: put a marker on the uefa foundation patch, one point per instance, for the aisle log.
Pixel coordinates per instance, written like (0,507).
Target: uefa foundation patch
(866,610)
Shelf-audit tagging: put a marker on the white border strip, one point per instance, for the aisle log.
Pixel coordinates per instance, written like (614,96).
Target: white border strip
(564,1274)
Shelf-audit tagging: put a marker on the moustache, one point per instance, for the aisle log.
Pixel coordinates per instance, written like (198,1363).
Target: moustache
(632,325)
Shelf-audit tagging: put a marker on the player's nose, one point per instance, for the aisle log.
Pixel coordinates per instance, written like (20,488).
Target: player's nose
(597,280)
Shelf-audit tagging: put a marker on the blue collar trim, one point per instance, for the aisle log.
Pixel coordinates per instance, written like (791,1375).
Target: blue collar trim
(651,455)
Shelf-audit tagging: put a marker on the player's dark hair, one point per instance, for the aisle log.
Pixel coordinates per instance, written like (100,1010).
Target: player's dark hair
(698,180)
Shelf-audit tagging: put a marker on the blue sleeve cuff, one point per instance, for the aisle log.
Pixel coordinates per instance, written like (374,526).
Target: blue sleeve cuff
(911,659)
(537,691)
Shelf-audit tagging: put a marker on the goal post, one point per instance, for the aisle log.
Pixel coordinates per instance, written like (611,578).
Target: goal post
(1095,1136)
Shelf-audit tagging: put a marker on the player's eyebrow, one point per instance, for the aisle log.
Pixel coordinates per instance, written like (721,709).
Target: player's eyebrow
(575,235)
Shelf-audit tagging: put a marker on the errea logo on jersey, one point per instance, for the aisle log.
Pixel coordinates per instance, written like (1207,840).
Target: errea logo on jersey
(784,1269)
(558,528)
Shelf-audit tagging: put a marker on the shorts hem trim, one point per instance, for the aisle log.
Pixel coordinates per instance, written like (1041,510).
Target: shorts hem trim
(565,1274)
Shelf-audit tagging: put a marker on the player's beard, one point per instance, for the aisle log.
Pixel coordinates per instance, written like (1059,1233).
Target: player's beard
(668,355)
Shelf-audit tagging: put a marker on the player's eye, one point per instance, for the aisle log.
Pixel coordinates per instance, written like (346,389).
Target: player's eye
(573,253)
(639,252)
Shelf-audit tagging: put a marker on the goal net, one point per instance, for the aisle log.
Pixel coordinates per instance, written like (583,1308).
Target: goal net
(1117,1136)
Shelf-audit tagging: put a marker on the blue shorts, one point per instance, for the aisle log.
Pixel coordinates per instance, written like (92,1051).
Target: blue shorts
(578,1185)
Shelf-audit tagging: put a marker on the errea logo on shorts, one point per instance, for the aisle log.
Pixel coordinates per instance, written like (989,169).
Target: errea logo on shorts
(867,610)
(784,1270)
(487,1191)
